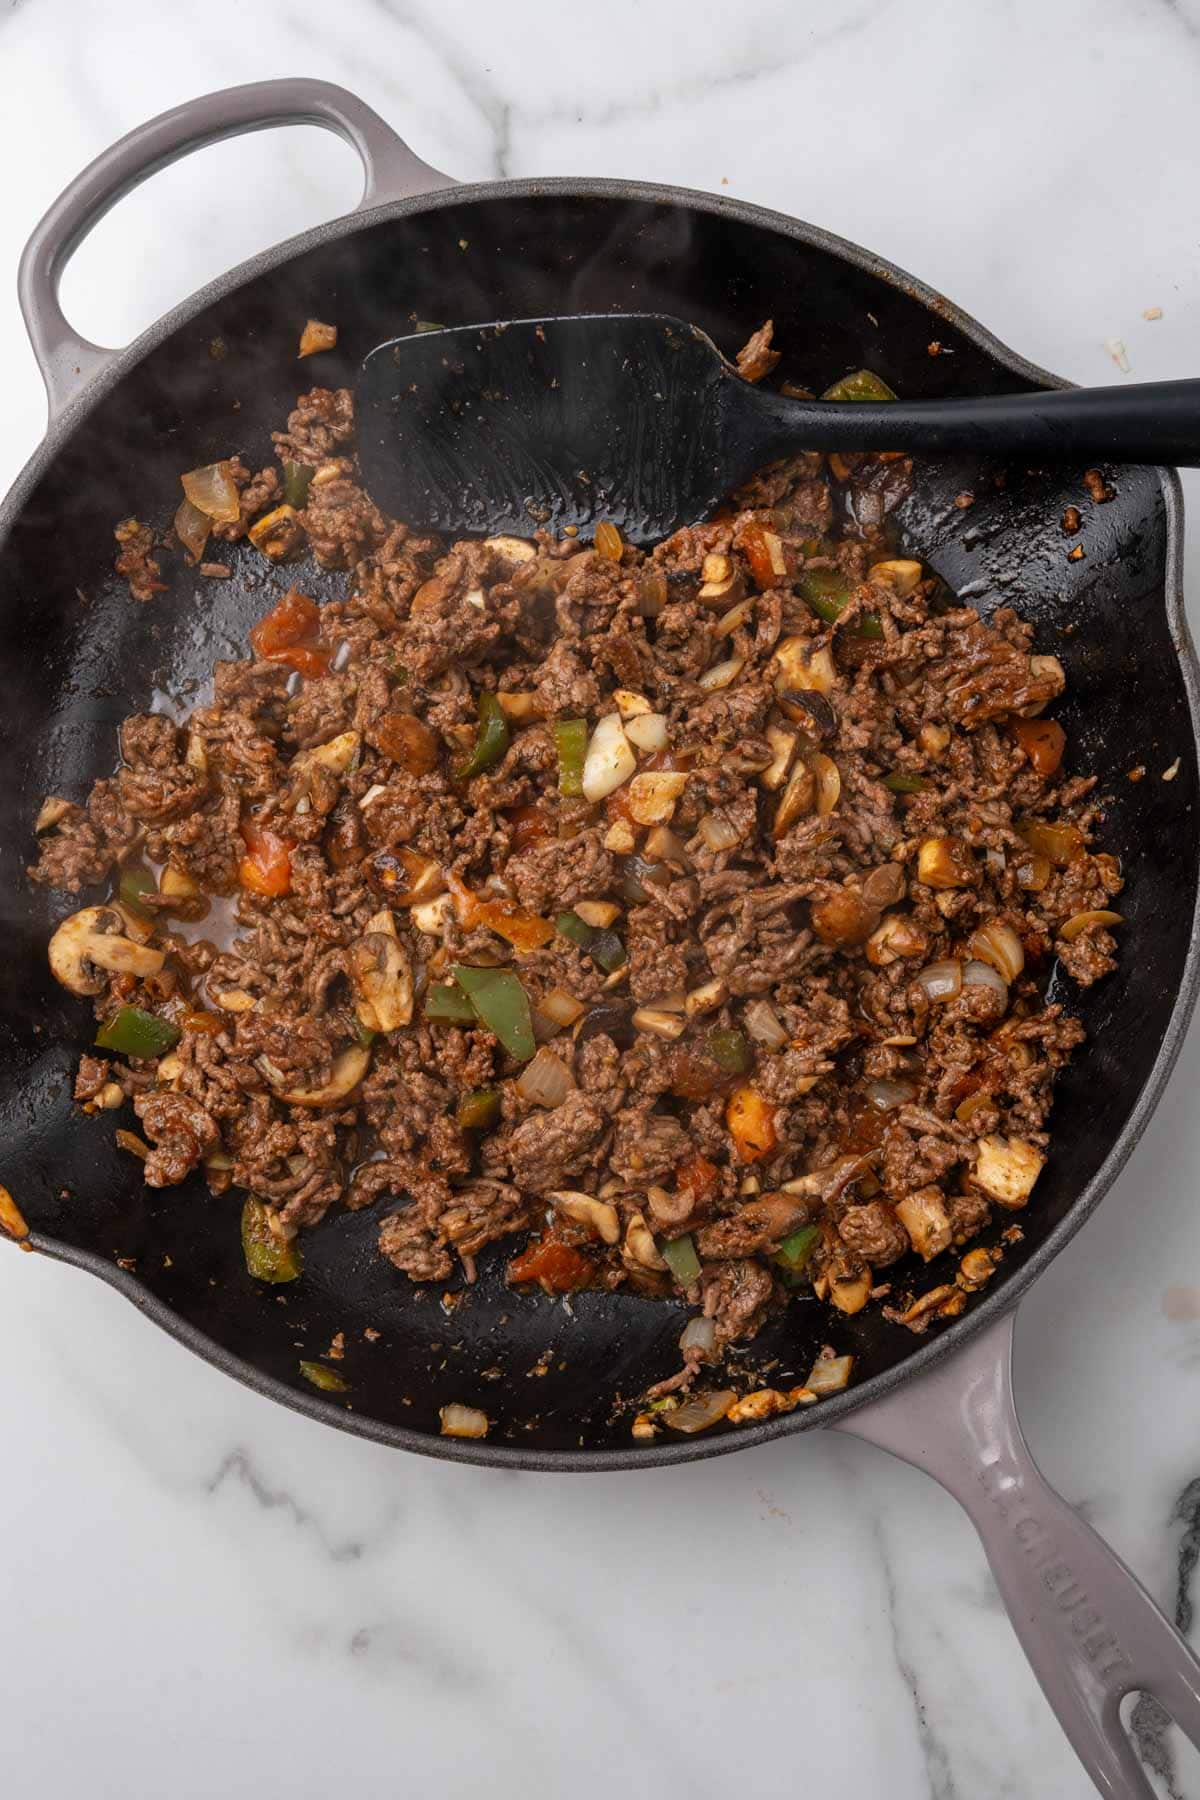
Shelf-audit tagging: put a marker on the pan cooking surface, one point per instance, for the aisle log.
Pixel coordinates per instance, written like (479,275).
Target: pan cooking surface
(82,655)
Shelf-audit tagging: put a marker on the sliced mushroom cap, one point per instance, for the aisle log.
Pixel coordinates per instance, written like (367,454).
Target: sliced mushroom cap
(93,941)
(599,1215)
(381,976)
(348,1070)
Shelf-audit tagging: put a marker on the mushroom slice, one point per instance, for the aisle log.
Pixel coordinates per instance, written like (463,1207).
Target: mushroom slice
(639,1249)
(381,975)
(90,942)
(598,1215)
(348,1070)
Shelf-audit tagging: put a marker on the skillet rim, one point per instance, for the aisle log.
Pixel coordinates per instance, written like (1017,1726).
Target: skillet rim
(1005,1296)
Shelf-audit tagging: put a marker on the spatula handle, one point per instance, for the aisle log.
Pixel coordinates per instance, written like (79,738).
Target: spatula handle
(1144,422)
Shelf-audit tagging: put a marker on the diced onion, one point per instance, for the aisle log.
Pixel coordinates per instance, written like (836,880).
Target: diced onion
(647,730)
(463,1421)
(546,1081)
(981,974)
(192,528)
(734,619)
(609,761)
(722,674)
(562,1007)
(213,492)
(763,1025)
(941,980)
(701,1411)
(830,1374)
(698,1334)
(998,944)
(884,1095)
(1083,921)
(658,1023)
(662,845)
(600,913)
(718,831)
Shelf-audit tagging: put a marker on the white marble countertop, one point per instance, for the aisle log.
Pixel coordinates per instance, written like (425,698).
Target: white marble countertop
(204,1595)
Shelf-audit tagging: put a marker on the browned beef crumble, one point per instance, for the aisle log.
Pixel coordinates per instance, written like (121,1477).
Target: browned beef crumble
(854,803)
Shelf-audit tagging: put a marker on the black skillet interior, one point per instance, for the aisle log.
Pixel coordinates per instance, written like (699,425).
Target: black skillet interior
(80,655)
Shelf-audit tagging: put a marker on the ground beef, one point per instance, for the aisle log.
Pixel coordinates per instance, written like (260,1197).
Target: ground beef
(180,1131)
(747,1051)
(136,561)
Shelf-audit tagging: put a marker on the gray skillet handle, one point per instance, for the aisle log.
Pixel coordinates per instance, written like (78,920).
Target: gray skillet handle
(393,172)
(1088,1627)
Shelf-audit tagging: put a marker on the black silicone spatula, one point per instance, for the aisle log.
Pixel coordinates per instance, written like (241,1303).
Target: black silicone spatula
(637,418)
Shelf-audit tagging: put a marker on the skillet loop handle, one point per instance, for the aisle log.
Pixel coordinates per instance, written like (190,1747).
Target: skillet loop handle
(1088,1627)
(392,172)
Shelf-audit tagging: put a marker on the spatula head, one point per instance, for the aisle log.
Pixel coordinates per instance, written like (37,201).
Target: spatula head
(554,422)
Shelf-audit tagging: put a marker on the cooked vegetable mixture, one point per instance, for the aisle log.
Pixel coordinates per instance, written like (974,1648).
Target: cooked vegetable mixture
(674,922)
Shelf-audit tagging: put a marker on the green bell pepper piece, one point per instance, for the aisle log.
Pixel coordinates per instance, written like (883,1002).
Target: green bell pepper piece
(679,1254)
(268,1258)
(570,737)
(297,479)
(603,946)
(132,1032)
(864,384)
(730,1050)
(449,1005)
(324,1377)
(491,741)
(607,949)
(900,783)
(796,1249)
(501,1004)
(478,1110)
(570,925)
(134,884)
(827,592)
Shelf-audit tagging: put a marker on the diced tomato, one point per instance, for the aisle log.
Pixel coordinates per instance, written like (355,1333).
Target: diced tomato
(523,930)
(751,1122)
(557,1267)
(1043,741)
(288,633)
(696,1177)
(530,825)
(766,553)
(266,867)
(208,1024)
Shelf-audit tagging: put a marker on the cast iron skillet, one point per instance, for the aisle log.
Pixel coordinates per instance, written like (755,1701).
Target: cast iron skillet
(215,375)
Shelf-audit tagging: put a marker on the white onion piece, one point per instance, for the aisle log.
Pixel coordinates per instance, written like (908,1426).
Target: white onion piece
(981,974)
(662,845)
(763,1025)
(701,1411)
(830,1374)
(463,1421)
(722,674)
(698,1334)
(562,1007)
(546,1081)
(647,730)
(718,831)
(609,761)
(998,944)
(884,1095)
(941,980)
